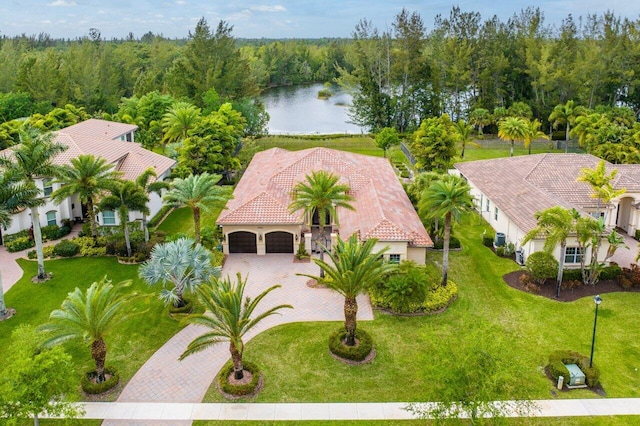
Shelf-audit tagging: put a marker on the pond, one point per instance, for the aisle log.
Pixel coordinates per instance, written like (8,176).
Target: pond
(297,110)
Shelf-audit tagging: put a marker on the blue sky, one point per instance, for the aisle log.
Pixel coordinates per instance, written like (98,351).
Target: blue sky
(258,18)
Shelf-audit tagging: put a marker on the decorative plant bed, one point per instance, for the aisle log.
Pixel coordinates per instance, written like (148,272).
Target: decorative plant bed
(247,387)
(361,353)
(90,386)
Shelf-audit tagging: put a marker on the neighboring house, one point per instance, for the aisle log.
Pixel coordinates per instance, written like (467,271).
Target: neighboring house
(509,191)
(257,218)
(110,140)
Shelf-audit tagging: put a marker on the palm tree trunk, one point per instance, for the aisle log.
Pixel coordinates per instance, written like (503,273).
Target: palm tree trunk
(99,354)
(321,238)
(445,249)
(37,236)
(92,218)
(350,314)
(144,227)
(196,223)
(236,357)
(566,138)
(462,153)
(124,218)
(511,150)
(560,269)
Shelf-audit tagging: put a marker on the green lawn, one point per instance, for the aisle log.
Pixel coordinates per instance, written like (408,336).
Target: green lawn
(568,421)
(357,144)
(496,148)
(523,328)
(128,348)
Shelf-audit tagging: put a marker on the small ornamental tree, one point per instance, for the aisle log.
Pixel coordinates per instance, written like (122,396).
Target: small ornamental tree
(387,138)
(541,266)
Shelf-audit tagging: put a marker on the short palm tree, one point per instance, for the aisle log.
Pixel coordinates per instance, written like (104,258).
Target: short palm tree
(88,177)
(600,182)
(30,160)
(556,224)
(321,194)
(353,269)
(480,117)
(126,196)
(228,317)
(463,132)
(182,264)
(566,114)
(195,192)
(181,118)
(532,132)
(147,182)
(91,316)
(449,197)
(512,129)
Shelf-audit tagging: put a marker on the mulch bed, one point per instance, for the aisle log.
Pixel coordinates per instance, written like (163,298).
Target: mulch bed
(248,376)
(548,290)
(367,359)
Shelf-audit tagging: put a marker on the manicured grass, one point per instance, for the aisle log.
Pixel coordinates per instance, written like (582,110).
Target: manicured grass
(562,421)
(357,144)
(181,220)
(522,328)
(128,347)
(496,148)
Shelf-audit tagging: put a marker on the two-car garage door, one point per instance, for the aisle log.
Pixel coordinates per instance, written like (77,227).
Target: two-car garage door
(246,242)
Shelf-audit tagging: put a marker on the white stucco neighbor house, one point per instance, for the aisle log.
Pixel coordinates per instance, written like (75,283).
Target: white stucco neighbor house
(257,219)
(509,191)
(110,140)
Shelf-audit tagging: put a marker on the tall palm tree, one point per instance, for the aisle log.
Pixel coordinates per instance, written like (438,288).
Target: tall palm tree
(512,129)
(353,269)
(195,192)
(125,197)
(601,185)
(181,118)
(463,132)
(149,185)
(566,114)
(321,194)
(532,132)
(183,264)
(88,177)
(33,159)
(556,224)
(228,317)
(91,316)
(449,197)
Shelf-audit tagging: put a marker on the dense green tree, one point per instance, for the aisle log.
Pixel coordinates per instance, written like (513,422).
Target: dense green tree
(512,129)
(434,144)
(387,138)
(179,120)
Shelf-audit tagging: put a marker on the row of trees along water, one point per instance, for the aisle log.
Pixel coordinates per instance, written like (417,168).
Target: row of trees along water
(398,76)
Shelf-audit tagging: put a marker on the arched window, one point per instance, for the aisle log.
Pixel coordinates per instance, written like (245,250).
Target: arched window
(51,218)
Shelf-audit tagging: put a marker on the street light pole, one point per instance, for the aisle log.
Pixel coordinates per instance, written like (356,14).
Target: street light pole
(598,301)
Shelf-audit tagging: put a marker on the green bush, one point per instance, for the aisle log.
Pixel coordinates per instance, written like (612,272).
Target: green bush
(48,251)
(487,240)
(403,293)
(185,309)
(95,388)
(440,297)
(454,243)
(572,275)
(12,237)
(239,390)
(557,359)
(541,266)
(54,232)
(217,257)
(32,254)
(354,353)
(88,247)
(610,272)
(637,236)
(66,248)
(19,244)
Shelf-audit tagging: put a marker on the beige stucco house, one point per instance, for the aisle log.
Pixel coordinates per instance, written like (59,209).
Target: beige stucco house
(509,191)
(257,218)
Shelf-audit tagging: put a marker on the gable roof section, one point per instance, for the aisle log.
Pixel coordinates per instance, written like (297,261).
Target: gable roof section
(103,129)
(382,208)
(521,186)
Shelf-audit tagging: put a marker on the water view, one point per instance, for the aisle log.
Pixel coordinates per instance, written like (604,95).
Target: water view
(297,110)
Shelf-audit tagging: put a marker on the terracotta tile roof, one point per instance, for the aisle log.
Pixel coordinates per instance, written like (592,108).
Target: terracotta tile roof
(94,127)
(521,186)
(382,208)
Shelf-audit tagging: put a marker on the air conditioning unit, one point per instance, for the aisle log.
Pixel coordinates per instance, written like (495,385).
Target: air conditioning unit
(520,257)
(501,239)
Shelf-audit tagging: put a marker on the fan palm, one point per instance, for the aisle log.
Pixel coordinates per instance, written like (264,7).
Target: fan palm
(512,129)
(566,114)
(91,316)
(449,197)
(88,177)
(183,264)
(353,269)
(532,132)
(125,197)
(30,160)
(147,182)
(321,194)
(463,132)
(228,317)
(195,192)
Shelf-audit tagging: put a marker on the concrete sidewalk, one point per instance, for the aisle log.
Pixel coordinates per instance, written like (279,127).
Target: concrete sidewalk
(184,413)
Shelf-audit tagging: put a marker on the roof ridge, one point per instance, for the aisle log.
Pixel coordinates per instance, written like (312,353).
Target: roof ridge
(542,158)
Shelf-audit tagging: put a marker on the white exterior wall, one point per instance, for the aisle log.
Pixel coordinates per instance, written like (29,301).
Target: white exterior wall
(417,254)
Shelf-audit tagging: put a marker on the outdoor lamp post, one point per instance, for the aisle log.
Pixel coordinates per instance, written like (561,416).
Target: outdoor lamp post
(598,301)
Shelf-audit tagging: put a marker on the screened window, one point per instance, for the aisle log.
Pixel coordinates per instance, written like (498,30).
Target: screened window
(109,217)
(495,214)
(394,258)
(572,255)
(48,187)
(51,218)
(488,205)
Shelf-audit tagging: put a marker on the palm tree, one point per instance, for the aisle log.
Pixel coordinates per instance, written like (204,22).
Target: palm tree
(556,224)
(125,197)
(149,185)
(181,118)
(449,197)
(566,114)
(353,269)
(228,317)
(195,192)
(88,177)
(512,129)
(463,132)
(480,117)
(33,159)
(321,194)
(532,132)
(600,182)
(183,264)
(91,316)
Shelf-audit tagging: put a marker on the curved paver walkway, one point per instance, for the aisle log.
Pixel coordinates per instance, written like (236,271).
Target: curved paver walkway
(165,379)
(625,257)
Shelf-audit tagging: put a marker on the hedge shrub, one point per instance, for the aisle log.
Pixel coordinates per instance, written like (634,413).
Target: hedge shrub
(541,266)
(572,275)
(454,243)
(487,240)
(88,386)
(19,244)
(611,272)
(54,232)
(440,297)
(557,359)
(88,247)
(66,248)
(239,390)
(353,353)
(185,309)
(11,237)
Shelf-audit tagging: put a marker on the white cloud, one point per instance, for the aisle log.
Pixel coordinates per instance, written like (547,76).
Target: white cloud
(181,2)
(264,8)
(63,3)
